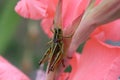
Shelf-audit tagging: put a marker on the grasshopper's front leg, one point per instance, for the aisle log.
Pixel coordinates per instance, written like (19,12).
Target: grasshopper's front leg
(45,57)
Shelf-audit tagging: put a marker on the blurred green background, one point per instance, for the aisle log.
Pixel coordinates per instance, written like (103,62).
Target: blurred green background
(22,41)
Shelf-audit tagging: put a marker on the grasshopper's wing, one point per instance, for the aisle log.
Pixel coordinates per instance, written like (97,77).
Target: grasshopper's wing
(52,55)
(57,61)
(46,56)
(54,49)
(57,57)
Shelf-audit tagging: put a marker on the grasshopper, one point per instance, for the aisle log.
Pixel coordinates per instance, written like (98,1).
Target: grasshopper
(55,52)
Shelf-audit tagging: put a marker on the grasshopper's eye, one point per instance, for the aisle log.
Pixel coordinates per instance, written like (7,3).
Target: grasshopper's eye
(59,30)
(56,32)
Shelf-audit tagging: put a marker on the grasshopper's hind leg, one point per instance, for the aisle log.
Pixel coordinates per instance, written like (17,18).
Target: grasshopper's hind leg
(45,57)
(56,62)
(58,59)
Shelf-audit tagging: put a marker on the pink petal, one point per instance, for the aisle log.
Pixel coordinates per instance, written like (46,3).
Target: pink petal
(51,8)
(100,61)
(114,70)
(47,25)
(47,22)
(74,62)
(72,9)
(9,72)
(108,31)
(33,9)
(95,61)
(64,76)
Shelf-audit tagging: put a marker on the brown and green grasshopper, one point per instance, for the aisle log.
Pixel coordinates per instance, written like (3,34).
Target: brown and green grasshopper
(55,52)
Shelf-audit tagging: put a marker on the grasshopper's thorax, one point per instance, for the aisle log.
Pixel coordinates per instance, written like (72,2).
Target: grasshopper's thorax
(57,35)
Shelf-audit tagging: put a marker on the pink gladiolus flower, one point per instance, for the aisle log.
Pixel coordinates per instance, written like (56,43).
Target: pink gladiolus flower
(45,10)
(33,9)
(100,58)
(9,72)
(73,20)
(25,7)
(93,18)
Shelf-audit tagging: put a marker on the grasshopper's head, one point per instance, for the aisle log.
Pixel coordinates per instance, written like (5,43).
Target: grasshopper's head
(58,34)
(58,31)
